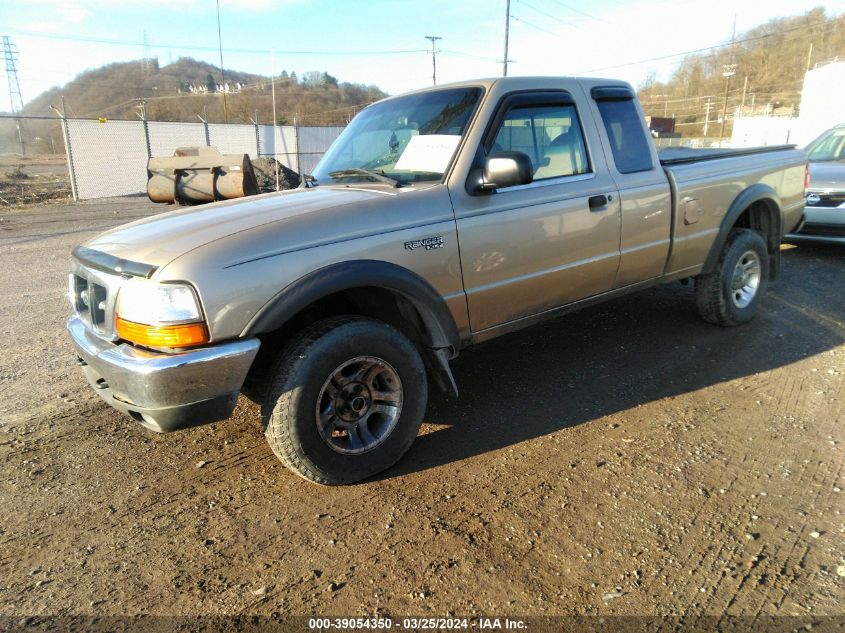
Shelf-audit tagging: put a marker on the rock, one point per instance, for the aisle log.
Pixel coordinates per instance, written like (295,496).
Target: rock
(201,464)
(840,571)
(261,591)
(752,536)
(611,595)
(815,534)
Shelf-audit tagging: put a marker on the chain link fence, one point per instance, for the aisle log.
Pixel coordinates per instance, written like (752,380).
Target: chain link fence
(109,157)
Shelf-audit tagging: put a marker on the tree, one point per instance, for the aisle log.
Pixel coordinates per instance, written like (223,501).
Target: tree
(210,83)
(328,80)
(313,78)
(293,78)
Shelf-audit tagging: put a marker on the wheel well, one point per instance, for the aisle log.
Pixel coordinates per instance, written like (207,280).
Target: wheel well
(762,216)
(385,305)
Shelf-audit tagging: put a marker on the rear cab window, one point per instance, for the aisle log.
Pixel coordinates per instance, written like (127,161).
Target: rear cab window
(625,130)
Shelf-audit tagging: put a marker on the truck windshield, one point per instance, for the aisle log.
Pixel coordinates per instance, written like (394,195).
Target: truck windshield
(829,147)
(400,141)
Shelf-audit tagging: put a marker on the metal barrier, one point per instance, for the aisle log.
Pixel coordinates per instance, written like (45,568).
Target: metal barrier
(109,157)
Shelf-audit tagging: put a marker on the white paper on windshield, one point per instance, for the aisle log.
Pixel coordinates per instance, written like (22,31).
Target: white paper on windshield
(428,152)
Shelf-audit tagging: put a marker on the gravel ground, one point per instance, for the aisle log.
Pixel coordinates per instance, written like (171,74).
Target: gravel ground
(628,459)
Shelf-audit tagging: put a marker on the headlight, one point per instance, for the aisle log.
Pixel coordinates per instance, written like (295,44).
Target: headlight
(159,315)
(153,303)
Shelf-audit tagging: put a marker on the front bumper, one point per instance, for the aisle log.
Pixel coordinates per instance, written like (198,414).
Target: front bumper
(821,224)
(164,392)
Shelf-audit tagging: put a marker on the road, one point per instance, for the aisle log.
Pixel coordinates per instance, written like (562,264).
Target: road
(628,459)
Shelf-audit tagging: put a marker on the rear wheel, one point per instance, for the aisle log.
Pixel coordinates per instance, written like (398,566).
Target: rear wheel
(345,401)
(731,293)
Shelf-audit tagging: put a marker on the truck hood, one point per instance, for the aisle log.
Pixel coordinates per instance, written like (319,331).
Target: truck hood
(827,176)
(160,239)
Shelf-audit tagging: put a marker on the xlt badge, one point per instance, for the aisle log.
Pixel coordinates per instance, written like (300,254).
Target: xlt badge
(428,243)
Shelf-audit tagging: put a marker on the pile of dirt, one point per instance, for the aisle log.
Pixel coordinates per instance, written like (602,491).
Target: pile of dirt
(265,174)
(17,174)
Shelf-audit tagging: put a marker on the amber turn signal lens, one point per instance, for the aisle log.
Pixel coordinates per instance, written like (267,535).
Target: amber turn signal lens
(162,335)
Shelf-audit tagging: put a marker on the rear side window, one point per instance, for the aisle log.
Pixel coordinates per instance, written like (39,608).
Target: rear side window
(631,151)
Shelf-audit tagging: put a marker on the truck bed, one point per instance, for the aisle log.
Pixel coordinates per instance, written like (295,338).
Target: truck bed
(683,155)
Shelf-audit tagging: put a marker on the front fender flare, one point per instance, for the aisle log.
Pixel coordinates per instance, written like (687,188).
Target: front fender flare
(441,331)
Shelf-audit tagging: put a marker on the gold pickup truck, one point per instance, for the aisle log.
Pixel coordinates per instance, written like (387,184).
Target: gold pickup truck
(438,219)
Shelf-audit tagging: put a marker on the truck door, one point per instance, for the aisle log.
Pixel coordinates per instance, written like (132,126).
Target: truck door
(643,187)
(530,248)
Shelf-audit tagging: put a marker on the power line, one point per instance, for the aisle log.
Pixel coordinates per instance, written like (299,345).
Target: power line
(715,46)
(446,51)
(533,26)
(541,12)
(584,13)
(213,49)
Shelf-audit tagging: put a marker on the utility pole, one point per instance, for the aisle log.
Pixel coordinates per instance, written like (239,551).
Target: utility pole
(273,91)
(706,116)
(507,32)
(433,39)
(809,56)
(729,71)
(744,91)
(222,72)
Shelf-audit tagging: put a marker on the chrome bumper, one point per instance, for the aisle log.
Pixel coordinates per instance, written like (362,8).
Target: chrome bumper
(820,224)
(164,392)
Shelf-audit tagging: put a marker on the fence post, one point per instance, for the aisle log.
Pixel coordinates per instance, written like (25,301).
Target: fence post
(143,116)
(204,119)
(296,142)
(257,137)
(69,155)
(68,152)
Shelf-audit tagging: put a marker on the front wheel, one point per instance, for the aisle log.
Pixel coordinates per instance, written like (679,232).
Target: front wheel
(346,400)
(731,294)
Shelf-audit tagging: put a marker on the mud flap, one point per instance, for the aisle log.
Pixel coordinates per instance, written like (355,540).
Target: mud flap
(774,265)
(437,363)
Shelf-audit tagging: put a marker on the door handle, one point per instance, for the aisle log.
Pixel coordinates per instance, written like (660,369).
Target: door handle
(598,202)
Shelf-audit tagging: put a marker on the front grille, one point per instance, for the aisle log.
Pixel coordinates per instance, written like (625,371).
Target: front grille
(93,298)
(827,199)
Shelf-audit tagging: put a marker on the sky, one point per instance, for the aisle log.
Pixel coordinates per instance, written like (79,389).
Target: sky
(379,42)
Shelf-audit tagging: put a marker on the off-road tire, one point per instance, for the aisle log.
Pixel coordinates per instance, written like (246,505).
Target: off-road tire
(713,291)
(297,380)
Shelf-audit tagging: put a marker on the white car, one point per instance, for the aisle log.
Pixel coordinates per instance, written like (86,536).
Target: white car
(824,213)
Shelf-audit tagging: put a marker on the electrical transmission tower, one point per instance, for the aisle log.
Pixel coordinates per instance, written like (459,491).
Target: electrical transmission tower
(146,64)
(11,56)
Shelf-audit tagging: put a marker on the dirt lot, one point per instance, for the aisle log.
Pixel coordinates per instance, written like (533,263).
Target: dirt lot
(29,180)
(628,459)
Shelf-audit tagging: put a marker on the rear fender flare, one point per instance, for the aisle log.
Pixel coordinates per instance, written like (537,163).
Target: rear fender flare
(754,193)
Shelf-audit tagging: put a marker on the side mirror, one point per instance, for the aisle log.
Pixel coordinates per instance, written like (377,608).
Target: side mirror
(506,169)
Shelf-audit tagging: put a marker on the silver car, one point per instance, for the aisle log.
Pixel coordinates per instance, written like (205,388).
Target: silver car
(824,213)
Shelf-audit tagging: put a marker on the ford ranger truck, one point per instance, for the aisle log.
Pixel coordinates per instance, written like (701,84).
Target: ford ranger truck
(438,219)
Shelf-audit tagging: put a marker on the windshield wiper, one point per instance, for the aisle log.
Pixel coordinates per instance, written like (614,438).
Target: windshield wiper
(369,173)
